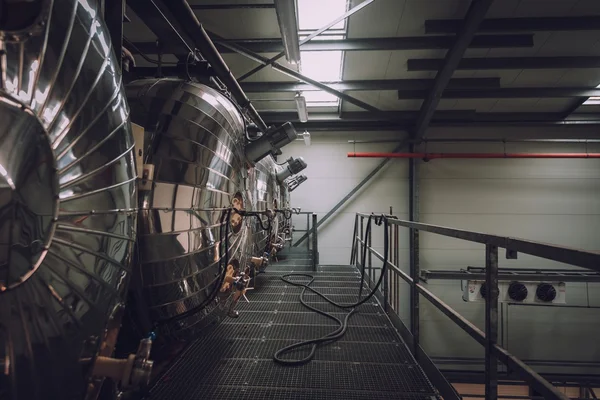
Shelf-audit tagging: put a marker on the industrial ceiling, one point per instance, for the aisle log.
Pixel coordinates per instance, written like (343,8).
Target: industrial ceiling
(405,64)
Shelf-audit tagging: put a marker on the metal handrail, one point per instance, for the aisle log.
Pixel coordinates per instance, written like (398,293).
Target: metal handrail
(494,352)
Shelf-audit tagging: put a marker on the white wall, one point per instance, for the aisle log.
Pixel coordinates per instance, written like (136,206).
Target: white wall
(554,201)
(331,176)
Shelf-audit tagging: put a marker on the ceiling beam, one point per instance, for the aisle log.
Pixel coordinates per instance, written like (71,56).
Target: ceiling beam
(365,44)
(378,84)
(504,93)
(230,6)
(473,18)
(518,24)
(433,64)
(404,120)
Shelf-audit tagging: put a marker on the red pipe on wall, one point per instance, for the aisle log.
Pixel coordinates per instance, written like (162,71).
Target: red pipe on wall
(430,156)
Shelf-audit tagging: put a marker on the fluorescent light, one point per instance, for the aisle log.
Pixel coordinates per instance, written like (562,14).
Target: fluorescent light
(288,26)
(301,106)
(313,14)
(306,137)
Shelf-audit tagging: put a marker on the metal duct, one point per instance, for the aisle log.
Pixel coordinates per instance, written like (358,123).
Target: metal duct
(67,200)
(194,138)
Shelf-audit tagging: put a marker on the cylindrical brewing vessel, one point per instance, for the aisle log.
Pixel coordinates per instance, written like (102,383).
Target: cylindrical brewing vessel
(67,198)
(194,138)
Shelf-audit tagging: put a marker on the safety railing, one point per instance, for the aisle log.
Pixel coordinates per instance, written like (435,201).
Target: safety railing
(389,294)
(310,236)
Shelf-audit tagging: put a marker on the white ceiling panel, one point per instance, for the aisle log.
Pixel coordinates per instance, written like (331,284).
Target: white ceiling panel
(246,23)
(586,7)
(396,66)
(479,105)
(515,105)
(447,104)
(580,77)
(580,43)
(386,13)
(366,64)
(539,39)
(417,11)
(507,76)
(553,105)
(544,8)
(503,9)
(388,100)
(538,77)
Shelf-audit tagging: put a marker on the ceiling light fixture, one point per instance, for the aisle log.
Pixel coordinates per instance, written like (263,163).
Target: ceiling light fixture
(288,26)
(301,106)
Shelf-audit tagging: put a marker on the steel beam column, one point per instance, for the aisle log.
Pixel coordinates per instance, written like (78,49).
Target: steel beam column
(475,15)
(504,93)
(190,25)
(434,64)
(376,84)
(363,44)
(413,210)
(290,72)
(352,193)
(310,37)
(549,24)
(491,322)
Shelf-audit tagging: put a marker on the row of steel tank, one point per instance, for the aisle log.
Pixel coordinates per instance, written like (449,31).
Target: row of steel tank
(89,241)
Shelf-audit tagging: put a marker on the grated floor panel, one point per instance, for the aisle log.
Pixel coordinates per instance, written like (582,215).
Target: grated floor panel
(234,360)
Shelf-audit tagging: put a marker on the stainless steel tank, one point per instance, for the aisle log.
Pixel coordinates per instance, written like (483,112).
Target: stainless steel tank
(67,198)
(194,140)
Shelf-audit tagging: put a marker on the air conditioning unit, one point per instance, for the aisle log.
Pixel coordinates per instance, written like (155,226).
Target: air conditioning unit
(518,292)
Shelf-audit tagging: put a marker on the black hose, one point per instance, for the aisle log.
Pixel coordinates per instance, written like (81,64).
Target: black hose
(343,325)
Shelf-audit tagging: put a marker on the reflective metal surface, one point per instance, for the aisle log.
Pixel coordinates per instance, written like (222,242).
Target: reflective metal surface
(67,199)
(194,138)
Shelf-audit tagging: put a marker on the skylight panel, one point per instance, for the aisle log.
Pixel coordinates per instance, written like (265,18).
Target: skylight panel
(313,14)
(323,66)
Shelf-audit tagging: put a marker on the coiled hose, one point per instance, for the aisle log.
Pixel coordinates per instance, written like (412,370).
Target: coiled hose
(342,325)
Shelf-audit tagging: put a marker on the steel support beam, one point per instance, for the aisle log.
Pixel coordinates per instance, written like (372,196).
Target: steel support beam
(190,26)
(294,74)
(475,15)
(379,84)
(159,21)
(205,7)
(311,36)
(352,192)
(365,44)
(548,24)
(433,64)
(504,93)
(414,246)
(491,321)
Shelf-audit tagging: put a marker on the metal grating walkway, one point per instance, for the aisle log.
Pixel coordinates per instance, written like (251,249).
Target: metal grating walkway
(234,360)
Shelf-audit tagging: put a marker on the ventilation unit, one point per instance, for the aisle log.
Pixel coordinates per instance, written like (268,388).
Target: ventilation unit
(518,292)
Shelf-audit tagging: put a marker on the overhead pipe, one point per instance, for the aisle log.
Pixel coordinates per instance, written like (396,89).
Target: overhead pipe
(431,156)
(192,27)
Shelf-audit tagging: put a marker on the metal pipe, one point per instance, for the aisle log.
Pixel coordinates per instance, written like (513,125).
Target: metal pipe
(481,140)
(430,156)
(190,24)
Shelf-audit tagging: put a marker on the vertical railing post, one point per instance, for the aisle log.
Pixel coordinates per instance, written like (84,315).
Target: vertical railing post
(370,256)
(308,232)
(491,321)
(315,243)
(362,245)
(413,205)
(354,241)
